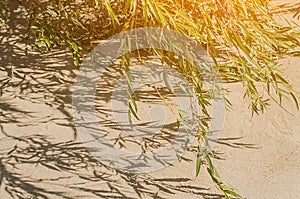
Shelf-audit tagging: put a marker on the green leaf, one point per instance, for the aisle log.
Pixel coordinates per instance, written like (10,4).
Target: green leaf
(198,161)
(295,99)
(182,87)
(133,111)
(76,60)
(132,100)
(111,12)
(129,83)
(47,42)
(78,23)
(167,82)
(73,45)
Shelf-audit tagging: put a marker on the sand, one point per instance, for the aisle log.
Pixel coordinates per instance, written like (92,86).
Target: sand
(42,155)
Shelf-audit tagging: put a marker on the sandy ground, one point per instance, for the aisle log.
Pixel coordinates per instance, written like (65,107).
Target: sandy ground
(42,156)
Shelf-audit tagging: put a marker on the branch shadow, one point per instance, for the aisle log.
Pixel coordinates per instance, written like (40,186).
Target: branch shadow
(75,162)
(33,166)
(36,77)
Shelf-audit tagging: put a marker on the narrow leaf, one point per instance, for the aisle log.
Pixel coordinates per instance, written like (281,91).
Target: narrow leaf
(167,82)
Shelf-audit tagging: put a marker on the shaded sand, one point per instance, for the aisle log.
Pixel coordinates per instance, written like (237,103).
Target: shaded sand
(42,156)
